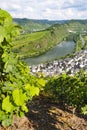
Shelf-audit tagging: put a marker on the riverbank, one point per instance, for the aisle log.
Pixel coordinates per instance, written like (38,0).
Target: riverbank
(37,43)
(69,65)
(61,50)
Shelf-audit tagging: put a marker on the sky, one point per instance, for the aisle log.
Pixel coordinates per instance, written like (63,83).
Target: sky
(46,9)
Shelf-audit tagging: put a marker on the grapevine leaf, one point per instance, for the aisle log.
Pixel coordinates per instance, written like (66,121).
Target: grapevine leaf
(9,68)
(19,97)
(41,82)
(34,91)
(24,108)
(6,105)
(5,18)
(84,110)
(7,122)
(2,115)
(21,114)
(5,57)
(2,34)
(27,86)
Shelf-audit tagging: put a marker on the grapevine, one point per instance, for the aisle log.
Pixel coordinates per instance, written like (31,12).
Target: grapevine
(17,86)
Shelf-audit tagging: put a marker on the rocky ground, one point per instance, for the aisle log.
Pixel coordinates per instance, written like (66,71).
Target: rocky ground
(45,114)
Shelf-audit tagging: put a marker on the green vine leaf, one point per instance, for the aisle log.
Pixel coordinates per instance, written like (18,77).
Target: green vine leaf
(2,115)
(19,97)
(6,105)
(34,91)
(41,82)
(84,110)
(24,108)
(5,18)
(2,34)
(7,122)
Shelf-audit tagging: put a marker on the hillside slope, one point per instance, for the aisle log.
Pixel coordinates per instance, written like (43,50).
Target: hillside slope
(29,25)
(39,42)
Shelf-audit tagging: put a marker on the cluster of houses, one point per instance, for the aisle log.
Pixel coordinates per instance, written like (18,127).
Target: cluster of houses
(68,65)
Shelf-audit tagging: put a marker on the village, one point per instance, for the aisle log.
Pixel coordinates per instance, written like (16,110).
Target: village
(68,65)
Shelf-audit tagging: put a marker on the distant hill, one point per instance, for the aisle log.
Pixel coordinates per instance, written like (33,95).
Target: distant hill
(31,25)
(23,21)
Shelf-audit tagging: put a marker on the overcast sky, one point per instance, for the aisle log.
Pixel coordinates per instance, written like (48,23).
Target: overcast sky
(46,9)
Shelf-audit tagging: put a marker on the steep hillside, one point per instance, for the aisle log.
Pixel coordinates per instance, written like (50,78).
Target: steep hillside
(39,42)
(32,25)
(29,25)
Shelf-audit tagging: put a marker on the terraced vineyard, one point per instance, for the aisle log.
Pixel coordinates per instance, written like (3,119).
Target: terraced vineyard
(36,43)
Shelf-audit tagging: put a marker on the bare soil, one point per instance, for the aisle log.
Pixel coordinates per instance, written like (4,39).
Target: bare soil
(45,114)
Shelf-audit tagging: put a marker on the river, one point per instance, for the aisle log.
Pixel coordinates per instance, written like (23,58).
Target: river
(62,49)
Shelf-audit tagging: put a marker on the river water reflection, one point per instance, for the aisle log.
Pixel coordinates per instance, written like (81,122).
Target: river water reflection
(62,49)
